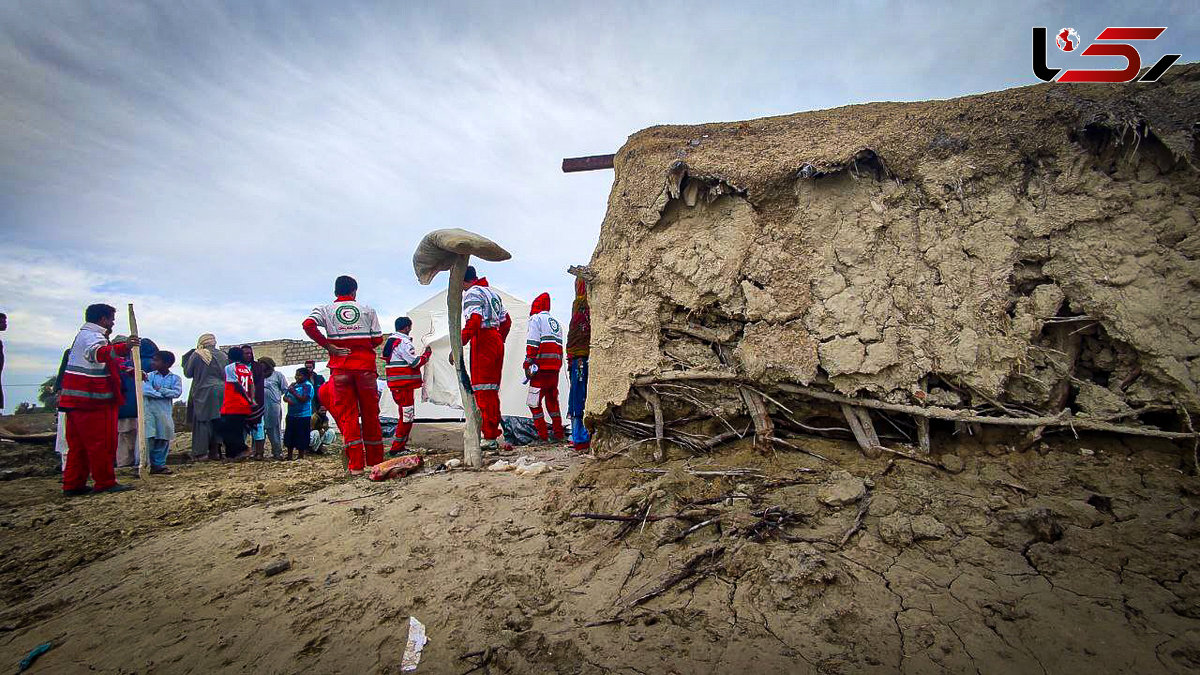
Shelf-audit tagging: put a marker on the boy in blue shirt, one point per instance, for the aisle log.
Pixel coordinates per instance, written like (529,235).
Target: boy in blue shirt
(299,397)
(160,388)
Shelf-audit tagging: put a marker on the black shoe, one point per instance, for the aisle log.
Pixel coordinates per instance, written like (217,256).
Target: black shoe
(116,488)
(77,492)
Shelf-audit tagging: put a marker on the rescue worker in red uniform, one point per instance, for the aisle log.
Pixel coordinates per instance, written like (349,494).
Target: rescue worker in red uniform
(485,328)
(543,361)
(91,395)
(351,336)
(403,373)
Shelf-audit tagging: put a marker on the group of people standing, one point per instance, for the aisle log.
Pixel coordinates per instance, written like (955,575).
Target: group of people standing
(237,403)
(350,332)
(234,397)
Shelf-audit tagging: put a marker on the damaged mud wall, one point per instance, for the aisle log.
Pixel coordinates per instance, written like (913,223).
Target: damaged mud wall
(1026,254)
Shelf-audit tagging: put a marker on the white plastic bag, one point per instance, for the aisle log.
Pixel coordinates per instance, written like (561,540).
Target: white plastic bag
(412,649)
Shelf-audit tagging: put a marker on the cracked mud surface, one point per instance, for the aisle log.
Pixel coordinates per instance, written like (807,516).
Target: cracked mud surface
(1051,561)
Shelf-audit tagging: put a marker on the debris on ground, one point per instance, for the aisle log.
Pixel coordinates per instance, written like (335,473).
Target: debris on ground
(414,645)
(33,656)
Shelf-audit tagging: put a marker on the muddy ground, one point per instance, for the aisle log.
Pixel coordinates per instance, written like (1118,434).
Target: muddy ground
(1073,558)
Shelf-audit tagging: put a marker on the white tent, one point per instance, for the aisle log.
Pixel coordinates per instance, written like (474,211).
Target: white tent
(439,396)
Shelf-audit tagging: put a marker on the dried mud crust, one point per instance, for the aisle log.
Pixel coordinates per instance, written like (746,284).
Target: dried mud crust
(1069,560)
(995,247)
(1059,561)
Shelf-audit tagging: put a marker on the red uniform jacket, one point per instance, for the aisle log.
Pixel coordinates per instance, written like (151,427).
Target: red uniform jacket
(92,377)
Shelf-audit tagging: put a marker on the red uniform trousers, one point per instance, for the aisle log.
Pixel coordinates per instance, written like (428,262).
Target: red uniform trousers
(543,386)
(403,396)
(355,395)
(487,360)
(92,437)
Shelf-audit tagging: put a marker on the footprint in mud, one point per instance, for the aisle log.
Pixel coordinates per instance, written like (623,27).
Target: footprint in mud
(314,646)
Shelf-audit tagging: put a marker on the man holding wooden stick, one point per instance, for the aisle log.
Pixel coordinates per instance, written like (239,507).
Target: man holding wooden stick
(91,393)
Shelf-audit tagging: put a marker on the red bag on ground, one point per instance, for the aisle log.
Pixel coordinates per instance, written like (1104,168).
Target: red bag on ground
(396,467)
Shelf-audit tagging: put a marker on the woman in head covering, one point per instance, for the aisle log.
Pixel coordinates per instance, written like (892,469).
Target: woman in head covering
(205,365)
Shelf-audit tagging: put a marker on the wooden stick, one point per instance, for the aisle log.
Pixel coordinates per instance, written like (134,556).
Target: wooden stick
(625,519)
(689,568)
(700,333)
(905,455)
(923,442)
(1187,422)
(731,473)
(721,439)
(764,430)
(589,163)
(677,375)
(143,456)
(651,397)
(864,430)
(863,507)
(683,535)
(797,448)
(472,455)
(932,412)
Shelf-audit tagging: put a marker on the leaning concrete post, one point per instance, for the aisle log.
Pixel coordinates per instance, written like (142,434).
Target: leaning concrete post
(451,250)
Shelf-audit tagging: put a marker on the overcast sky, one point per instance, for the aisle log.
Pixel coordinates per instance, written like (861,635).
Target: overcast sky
(218,164)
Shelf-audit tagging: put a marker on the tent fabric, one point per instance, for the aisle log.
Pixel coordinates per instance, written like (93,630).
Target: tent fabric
(439,396)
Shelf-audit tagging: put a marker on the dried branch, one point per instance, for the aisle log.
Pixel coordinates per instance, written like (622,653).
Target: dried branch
(683,535)
(763,429)
(701,333)
(651,397)
(797,448)
(770,524)
(915,458)
(689,568)
(726,473)
(863,507)
(1187,423)
(626,519)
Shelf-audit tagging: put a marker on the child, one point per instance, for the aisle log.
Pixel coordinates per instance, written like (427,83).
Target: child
(160,388)
(299,398)
(321,435)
